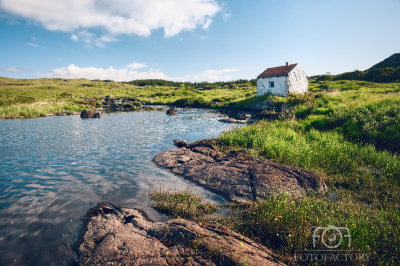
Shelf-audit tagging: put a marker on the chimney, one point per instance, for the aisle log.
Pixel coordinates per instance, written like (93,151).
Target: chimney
(287,64)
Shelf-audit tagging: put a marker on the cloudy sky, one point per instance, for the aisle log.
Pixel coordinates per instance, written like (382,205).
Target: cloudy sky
(192,40)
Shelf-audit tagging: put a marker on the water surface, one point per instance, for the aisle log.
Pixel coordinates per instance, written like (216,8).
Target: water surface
(53,169)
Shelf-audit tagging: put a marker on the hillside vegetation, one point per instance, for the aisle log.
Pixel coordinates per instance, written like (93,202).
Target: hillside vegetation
(347,132)
(386,71)
(392,61)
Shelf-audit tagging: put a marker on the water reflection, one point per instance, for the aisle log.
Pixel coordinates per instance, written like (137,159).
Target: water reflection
(53,169)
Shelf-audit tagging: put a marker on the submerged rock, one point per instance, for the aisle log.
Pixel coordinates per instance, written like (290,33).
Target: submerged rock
(90,114)
(172,111)
(236,176)
(112,235)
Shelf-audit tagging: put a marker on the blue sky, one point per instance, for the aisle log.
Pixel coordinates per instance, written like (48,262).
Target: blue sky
(192,40)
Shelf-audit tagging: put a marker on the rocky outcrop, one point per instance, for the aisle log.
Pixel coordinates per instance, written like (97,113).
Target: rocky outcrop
(90,114)
(172,111)
(112,235)
(236,176)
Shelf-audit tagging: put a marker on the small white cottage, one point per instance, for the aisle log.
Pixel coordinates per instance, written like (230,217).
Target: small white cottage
(282,80)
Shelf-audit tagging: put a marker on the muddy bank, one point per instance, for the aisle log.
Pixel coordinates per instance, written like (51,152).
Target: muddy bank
(237,176)
(112,235)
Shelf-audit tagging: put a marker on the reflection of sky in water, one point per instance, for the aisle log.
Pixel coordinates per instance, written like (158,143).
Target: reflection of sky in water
(53,169)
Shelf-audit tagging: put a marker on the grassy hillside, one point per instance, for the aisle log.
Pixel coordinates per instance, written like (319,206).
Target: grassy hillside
(348,132)
(392,61)
(35,97)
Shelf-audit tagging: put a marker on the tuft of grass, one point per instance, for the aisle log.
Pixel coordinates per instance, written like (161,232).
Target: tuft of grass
(182,204)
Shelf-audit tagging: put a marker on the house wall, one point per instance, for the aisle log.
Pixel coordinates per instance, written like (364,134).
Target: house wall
(297,80)
(280,87)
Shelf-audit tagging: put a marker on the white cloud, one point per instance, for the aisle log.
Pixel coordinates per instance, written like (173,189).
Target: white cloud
(225,16)
(91,39)
(124,74)
(12,69)
(136,65)
(33,38)
(209,75)
(35,45)
(100,45)
(203,37)
(32,44)
(130,73)
(118,16)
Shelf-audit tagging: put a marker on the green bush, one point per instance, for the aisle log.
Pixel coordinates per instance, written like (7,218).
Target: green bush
(128,105)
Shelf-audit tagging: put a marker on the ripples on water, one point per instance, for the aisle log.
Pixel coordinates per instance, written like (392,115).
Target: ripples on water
(53,169)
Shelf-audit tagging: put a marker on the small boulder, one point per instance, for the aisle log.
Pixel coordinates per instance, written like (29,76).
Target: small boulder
(90,114)
(180,143)
(61,114)
(172,111)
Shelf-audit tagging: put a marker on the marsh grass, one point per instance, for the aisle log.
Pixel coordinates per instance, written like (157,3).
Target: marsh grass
(287,226)
(36,109)
(183,204)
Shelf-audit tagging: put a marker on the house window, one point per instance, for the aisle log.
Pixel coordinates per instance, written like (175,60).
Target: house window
(271,84)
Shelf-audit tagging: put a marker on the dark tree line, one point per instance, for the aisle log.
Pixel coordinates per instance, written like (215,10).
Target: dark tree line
(206,85)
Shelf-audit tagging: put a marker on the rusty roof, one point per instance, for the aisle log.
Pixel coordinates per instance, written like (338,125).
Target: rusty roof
(276,71)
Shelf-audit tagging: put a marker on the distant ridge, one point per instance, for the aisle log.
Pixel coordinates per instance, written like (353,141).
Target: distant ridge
(392,61)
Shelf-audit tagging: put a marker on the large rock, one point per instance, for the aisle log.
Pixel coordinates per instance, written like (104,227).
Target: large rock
(112,235)
(90,114)
(236,176)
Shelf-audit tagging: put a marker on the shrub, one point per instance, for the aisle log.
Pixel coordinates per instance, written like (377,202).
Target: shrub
(128,105)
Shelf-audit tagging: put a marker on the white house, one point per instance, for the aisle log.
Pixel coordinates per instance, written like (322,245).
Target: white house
(282,80)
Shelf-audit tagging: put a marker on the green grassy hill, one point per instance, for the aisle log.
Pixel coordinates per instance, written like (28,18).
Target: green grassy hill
(392,61)
(349,133)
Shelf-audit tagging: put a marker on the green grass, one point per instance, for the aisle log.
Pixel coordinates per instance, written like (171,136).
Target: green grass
(347,132)
(181,204)
(32,97)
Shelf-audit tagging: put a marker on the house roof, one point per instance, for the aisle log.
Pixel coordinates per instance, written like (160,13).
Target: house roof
(276,71)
